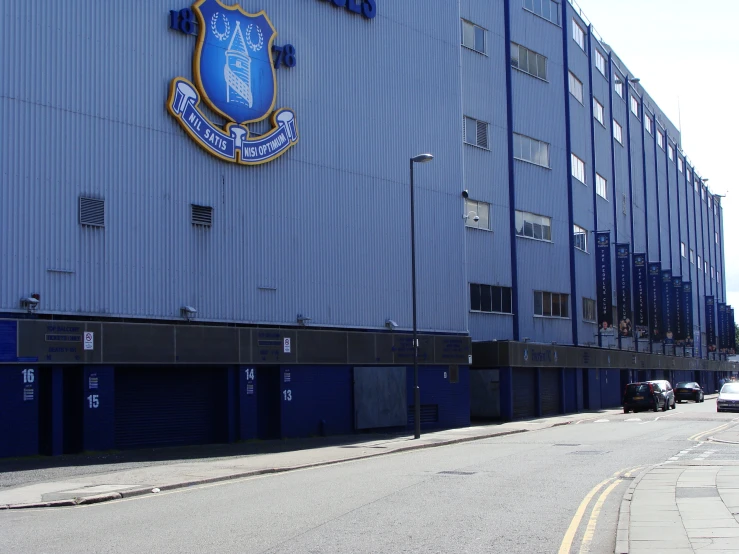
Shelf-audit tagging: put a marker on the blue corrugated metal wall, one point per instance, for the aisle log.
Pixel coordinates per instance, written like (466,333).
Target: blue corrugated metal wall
(452,399)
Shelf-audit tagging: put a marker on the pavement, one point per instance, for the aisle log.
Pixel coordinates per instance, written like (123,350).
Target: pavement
(683,507)
(88,479)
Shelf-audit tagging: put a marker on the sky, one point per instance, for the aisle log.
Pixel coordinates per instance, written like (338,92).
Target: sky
(686,54)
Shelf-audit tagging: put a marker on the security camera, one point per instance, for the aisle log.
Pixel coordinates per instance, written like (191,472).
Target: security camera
(188,312)
(476,218)
(465,193)
(390,324)
(30,303)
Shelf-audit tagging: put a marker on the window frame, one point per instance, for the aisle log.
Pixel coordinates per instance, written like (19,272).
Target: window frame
(529,52)
(648,124)
(531,142)
(476,224)
(475,26)
(600,59)
(576,161)
(522,214)
(682,250)
(634,105)
(670,152)
(600,111)
(477,122)
(618,137)
(598,179)
(573,80)
(588,302)
(578,231)
(660,139)
(558,23)
(579,38)
(563,301)
(502,289)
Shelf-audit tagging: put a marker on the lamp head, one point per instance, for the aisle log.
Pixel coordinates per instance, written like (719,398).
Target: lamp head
(421,158)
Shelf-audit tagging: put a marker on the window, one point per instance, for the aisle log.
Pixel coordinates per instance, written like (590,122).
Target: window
(709,204)
(648,124)
(551,304)
(598,111)
(578,34)
(601,186)
(689,177)
(670,152)
(474,208)
(600,62)
(703,192)
(201,216)
(588,309)
(680,165)
(576,87)
(660,140)
(712,273)
(474,37)
(618,85)
(489,299)
(580,238)
(692,257)
(705,267)
(682,249)
(533,226)
(699,263)
(718,277)
(91,212)
(634,106)
(715,237)
(548,9)
(530,150)
(623,202)
(578,169)
(476,132)
(528,61)
(618,133)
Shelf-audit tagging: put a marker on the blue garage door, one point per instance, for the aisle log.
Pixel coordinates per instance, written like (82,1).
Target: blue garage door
(549,390)
(570,390)
(170,406)
(610,388)
(524,393)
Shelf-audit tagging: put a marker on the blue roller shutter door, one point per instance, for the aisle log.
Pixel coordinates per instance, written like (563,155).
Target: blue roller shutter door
(524,393)
(610,388)
(170,406)
(550,392)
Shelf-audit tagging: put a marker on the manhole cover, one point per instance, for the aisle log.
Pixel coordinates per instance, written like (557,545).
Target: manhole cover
(456,473)
(696,492)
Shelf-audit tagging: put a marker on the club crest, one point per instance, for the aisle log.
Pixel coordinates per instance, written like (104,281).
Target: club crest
(235,77)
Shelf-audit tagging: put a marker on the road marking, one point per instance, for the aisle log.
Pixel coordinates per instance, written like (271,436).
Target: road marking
(590,530)
(633,419)
(601,421)
(699,436)
(564,548)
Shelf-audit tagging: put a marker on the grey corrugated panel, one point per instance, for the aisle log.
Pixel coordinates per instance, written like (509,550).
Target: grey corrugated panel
(281,226)
(491,326)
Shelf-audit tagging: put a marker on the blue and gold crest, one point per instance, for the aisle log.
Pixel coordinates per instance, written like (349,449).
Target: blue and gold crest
(235,76)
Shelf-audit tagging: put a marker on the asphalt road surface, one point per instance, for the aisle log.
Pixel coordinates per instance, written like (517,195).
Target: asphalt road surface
(518,493)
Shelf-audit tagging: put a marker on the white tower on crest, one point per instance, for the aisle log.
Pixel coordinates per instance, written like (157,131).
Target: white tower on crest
(237,70)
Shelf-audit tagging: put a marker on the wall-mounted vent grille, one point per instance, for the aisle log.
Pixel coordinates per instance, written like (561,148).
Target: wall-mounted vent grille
(202,215)
(92,212)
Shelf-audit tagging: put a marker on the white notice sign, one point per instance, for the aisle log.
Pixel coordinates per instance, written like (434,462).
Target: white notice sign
(89,340)
(286,345)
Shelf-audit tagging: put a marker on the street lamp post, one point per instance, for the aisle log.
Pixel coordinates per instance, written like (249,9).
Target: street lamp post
(421,158)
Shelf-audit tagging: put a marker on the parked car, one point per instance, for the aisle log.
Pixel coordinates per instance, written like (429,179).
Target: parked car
(689,390)
(649,395)
(728,398)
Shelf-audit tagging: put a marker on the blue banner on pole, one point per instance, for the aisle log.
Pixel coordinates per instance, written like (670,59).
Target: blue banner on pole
(623,290)
(603,279)
(679,318)
(641,299)
(711,323)
(656,316)
(668,307)
(688,312)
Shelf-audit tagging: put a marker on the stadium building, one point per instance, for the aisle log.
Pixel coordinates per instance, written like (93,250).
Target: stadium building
(208,215)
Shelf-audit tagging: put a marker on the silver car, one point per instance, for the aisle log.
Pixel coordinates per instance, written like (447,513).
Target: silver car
(728,398)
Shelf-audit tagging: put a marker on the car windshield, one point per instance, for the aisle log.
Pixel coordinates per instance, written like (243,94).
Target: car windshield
(731,388)
(685,385)
(636,390)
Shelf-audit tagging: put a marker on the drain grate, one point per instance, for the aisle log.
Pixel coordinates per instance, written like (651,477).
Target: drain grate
(456,473)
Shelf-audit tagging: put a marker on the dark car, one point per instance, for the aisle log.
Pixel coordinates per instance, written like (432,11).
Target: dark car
(649,395)
(688,390)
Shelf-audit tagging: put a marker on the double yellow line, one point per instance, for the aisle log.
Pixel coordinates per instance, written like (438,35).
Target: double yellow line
(700,436)
(609,484)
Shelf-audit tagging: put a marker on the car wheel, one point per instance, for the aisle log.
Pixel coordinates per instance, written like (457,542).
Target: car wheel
(626,411)
(673,404)
(656,405)
(666,405)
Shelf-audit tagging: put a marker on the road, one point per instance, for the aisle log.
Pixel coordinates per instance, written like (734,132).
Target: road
(518,493)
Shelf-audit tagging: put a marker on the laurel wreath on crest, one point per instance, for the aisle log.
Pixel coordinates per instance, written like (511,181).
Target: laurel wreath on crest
(214,28)
(258,46)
